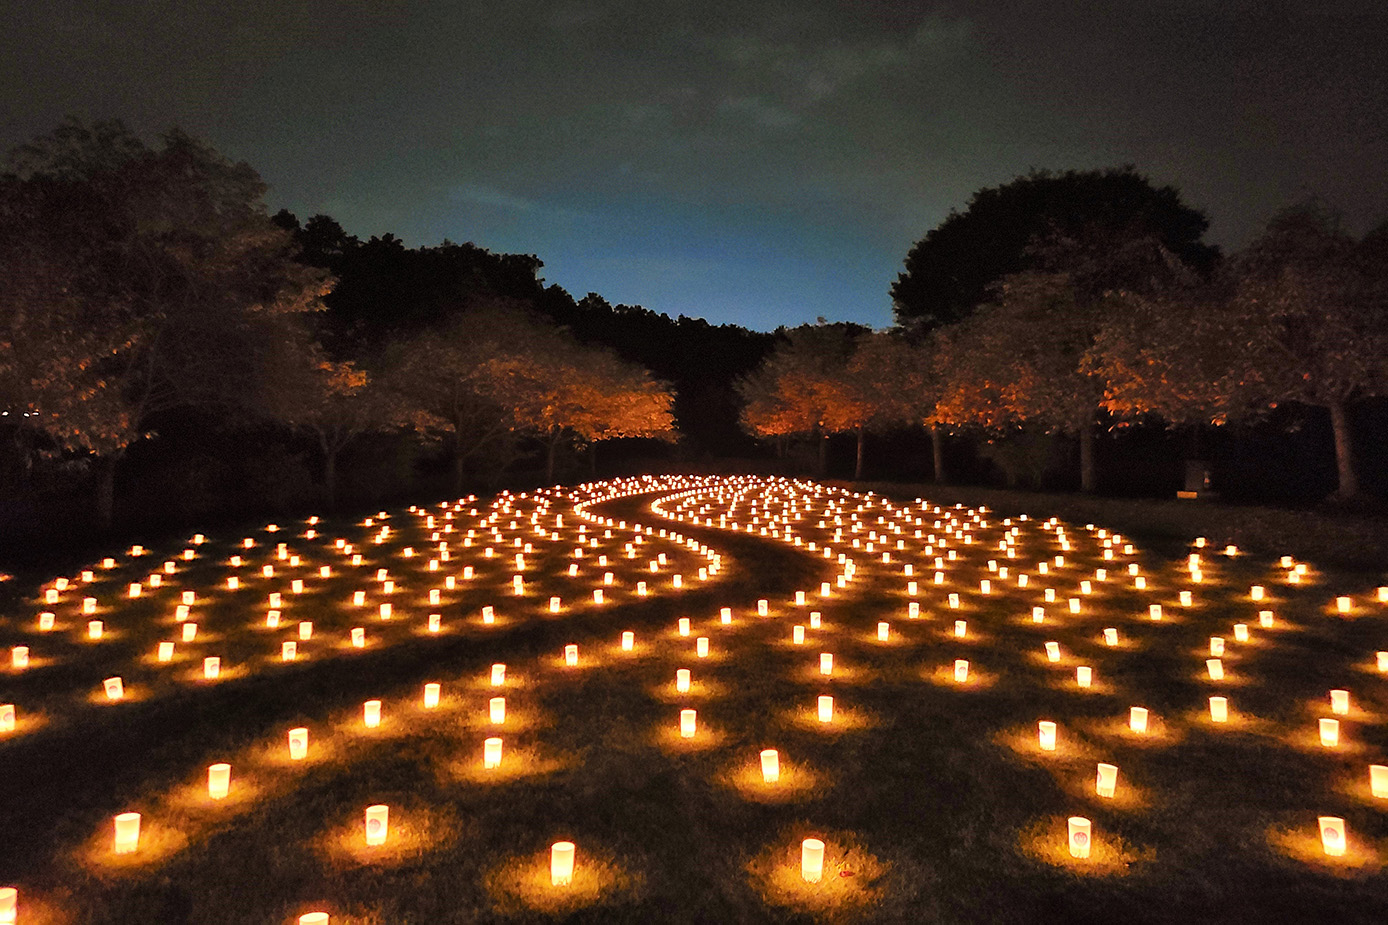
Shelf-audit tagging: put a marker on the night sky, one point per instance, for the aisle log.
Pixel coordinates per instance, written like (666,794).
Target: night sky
(758,163)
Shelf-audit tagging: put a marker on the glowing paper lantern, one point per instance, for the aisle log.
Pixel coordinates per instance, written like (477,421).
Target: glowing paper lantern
(1111,636)
(826,663)
(561,863)
(9,905)
(371,713)
(771,766)
(211,667)
(272,619)
(1154,611)
(1378,780)
(1330,732)
(491,753)
(127,833)
(1053,651)
(19,657)
(46,621)
(358,598)
(94,629)
(289,650)
(298,743)
(1084,675)
(815,619)
(115,690)
(701,647)
(358,637)
(682,680)
(1215,667)
(960,628)
(1216,645)
(571,655)
(1265,619)
(1342,604)
(377,824)
(812,860)
(688,722)
(496,710)
(1046,735)
(435,622)
(1382,661)
(826,708)
(7,717)
(762,608)
(1079,828)
(961,670)
(1241,632)
(883,631)
(314,918)
(684,626)
(797,635)
(431,695)
(1219,709)
(1339,702)
(1137,719)
(1334,838)
(305,630)
(554,605)
(190,632)
(1185,599)
(954,601)
(597,592)
(166,651)
(218,780)
(725,615)
(498,674)
(1107,780)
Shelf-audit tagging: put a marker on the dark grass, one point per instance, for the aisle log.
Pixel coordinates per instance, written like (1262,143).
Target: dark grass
(932,796)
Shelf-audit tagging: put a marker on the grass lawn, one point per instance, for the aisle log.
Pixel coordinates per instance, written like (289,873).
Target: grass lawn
(932,795)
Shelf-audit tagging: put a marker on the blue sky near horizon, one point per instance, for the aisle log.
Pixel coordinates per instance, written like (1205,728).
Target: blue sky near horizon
(762,163)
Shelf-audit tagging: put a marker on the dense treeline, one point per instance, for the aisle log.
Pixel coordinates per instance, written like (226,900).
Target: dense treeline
(1081,303)
(171,353)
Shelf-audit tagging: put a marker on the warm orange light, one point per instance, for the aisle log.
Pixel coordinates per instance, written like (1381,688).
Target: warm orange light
(1342,604)
(1107,780)
(571,655)
(1330,732)
(1137,719)
(961,670)
(431,695)
(115,690)
(561,863)
(812,860)
(1079,829)
(1378,780)
(826,708)
(298,743)
(701,647)
(218,780)
(377,824)
(1045,730)
(682,680)
(1339,702)
(1219,709)
(498,674)
(127,833)
(371,713)
(496,710)
(7,717)
(1084,675)
(770,766)
(1334,836)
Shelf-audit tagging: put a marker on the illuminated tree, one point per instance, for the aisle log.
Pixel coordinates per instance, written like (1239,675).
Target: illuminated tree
(149,279)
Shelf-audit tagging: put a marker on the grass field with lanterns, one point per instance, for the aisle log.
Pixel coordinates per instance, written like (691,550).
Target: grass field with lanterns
(695,684)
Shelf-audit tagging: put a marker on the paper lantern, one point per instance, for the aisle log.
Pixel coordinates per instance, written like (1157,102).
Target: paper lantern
(276,599)
(770,766)
(1219,709)
(1140,583)
(571,655)
(1074,605)
(1382,661)
(812,860)
(491,753)
(597,592)
(358,637)
(95,628)
(1256,592)
(211,667)
(298,743)
(115,690)
(684,626)
(272,619)
(358,598)
(127,833)
(554,605)
(134,589)
(701,647)
(1137,719)
(883,631)
(628,641)
(305,630)
(190,632)
(1215,667)
(725,615)
(9,905)
(1079,828)
(687,723)
(826,708)
(815,619)
(762,608)
(1216,645)
(371,713)
(46,621)
(517,585)
(799,598)
(561,863)
(314,918)
(797,635)
(435,622)
(1265,619)
(488,614)
(1084,675)
(386,611)
(1330,733)
(7,717)
(913,610)
(218,780)
(1154,611)
(682,680)
(1107,780)
(640,589)
(377,824)
(1053,651)
(1049,595)
(165,652)
(431,695)
(1111,636)
(1038,614)
(498,674)
(496,710)
(1334,838)
(825,589)
(954,601)
(1378,780)
(1185,598)
(961,670)
(289,650)
(1342,604)
(19,657)
(1241,632)
(960,628)
(1339,702)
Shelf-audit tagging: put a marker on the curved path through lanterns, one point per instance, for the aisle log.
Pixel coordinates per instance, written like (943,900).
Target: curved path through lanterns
(905,661)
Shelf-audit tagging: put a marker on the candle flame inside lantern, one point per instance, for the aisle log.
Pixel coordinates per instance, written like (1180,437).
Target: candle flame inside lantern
(812,860)
(1330,732)
(498,674)
(1219,709)
(682,680)
(1079,831)
(1137,719)
(218,781)
(1333,835)
(491,753)
(561,863)
(571,655)
(1339,702)
(688,723)
(770,766)
(371,713)
(1046,735)
(826,708)
(127,833)
(298,743)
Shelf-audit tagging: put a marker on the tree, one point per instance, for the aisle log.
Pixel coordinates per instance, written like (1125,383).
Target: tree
(148,279)
(885,384)
(956,266)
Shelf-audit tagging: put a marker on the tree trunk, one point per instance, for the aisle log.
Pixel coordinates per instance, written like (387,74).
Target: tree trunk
(458,455)
(1087,458)
(593,460)
(1344,451)
(858,463)
(330,478)
(105,492)
(937,453)
(823,455)
(550,453)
